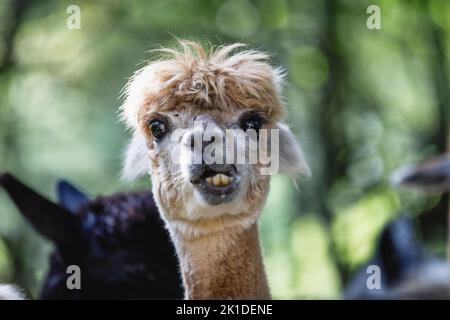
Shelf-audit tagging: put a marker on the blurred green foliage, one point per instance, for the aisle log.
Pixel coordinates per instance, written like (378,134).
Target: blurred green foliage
(361,101)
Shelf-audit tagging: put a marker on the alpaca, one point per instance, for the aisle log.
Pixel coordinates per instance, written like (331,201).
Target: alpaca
(407,270)
(430,176)
(210,208)
(119,243)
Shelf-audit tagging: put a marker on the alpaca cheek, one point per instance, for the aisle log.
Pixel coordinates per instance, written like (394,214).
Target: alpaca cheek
(154,163)
(257,194)
(162,198)
(168,197)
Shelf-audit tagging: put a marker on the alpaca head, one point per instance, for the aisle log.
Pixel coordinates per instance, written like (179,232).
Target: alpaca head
(202,123)
(429,176)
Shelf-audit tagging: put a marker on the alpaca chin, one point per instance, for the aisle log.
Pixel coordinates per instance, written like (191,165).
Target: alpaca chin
(198,208)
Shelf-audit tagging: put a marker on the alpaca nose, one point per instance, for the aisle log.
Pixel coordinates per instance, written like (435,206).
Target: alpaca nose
(222,168)
(204,133)
(193,140)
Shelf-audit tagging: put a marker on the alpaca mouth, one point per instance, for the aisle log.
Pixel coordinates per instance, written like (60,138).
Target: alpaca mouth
(217,183)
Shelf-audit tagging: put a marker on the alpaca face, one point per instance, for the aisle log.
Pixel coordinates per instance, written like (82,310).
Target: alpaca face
(204,127)
(189,163)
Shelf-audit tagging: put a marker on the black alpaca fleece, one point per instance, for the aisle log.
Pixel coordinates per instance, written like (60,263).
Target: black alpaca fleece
(119,242)
(407,270)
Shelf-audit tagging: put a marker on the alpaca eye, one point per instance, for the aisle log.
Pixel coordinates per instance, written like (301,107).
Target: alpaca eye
(254,122)
(158,129)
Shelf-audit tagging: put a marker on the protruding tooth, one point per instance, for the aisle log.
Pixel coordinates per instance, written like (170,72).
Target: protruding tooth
(225,179)
(209,180)
(216,179)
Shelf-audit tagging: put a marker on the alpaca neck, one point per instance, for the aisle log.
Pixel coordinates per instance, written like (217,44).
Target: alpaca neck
(223,265)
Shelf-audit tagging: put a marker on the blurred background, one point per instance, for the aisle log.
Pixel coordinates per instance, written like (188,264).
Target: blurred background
(362,102)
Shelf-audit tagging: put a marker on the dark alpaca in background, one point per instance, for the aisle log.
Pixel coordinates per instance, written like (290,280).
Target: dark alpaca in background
(407,270)
(119,243)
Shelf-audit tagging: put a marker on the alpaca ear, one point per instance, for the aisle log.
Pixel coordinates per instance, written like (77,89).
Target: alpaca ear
(51,220)
(292,160)
(70,197)
(135,162)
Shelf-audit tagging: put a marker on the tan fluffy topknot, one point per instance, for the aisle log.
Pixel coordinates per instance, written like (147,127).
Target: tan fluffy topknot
(227,78)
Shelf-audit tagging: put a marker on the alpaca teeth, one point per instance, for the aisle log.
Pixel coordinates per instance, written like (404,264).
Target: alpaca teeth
(225,179)
(216,180)
(219,180)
